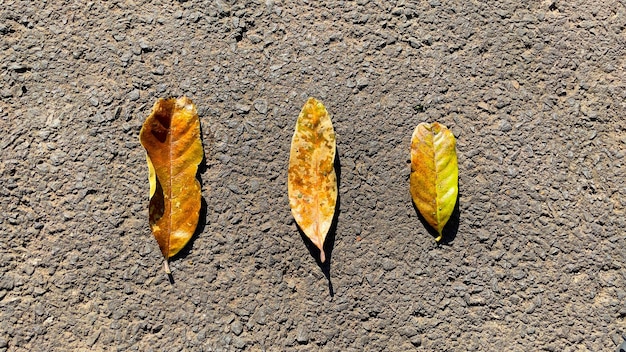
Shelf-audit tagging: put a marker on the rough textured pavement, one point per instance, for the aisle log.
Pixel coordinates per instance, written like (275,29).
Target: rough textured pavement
(534,91)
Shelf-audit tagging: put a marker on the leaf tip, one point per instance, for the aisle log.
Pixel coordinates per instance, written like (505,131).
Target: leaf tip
(322,256)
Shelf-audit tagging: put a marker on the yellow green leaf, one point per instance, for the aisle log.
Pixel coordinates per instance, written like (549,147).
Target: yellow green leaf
(312,182)
(171,137)
(434,173)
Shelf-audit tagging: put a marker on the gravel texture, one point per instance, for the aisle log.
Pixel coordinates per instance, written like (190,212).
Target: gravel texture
(535,92)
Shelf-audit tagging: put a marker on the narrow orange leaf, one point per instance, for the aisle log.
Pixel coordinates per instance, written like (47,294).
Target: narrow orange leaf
(312,182)
(171,137)
(434,173)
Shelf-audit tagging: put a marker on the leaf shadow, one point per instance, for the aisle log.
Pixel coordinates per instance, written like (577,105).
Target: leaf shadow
(202,219)
(329,243)
(452,227)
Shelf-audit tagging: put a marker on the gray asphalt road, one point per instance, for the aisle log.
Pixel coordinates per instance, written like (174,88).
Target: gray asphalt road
(533,90)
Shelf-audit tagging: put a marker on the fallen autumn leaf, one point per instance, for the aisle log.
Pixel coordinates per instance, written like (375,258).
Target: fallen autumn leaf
(434,174)
(171,137)
(312,182)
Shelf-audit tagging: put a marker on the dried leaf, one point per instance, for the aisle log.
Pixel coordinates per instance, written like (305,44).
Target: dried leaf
(312,183)
(171,137)
(434,173)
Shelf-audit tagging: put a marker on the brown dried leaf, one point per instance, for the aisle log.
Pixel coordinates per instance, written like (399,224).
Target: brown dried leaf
(312,182)
(434,173)
(171,137)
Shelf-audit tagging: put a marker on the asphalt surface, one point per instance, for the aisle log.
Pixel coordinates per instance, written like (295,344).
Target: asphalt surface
(535,92)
